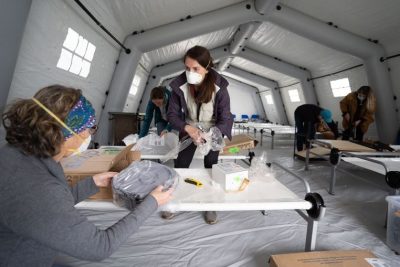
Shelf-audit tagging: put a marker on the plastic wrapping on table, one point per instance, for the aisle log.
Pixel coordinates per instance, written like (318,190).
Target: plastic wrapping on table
(212,140)
(260,194)
(135,182)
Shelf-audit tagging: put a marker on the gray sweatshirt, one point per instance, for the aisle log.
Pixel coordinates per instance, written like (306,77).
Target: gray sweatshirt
(38,217)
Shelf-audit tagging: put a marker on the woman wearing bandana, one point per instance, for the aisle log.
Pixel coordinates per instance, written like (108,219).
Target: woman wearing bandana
(358,110)
(199,98)
(37,214)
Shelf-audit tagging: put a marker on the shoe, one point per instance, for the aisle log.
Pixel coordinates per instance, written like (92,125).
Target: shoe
(210,217)
(166,215)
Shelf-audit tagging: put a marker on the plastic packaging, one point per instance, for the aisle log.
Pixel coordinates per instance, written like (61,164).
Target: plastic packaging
(136,181)
(393,223)
(130,139)
(212,140)
(260,170)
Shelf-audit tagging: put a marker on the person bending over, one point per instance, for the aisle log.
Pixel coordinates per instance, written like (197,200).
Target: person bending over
(307,117)
(358,110)
(157,107)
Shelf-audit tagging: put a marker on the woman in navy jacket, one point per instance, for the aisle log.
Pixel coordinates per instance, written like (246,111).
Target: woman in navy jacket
(199,97)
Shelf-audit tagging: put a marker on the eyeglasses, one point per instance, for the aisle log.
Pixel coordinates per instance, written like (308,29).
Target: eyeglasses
(93,130)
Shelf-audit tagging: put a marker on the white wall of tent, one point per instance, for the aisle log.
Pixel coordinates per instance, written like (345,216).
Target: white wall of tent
(267,49)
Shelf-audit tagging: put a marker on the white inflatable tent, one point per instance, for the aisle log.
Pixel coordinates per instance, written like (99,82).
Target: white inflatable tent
(293,43)
(266,49)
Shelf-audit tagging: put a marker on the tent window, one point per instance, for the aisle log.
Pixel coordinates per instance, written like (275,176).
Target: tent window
(135,85)
(269,99)
(294,95)
(340,87)
(76,55)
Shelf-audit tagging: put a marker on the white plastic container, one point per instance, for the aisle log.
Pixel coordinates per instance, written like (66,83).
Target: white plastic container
(393,223)
(229,175)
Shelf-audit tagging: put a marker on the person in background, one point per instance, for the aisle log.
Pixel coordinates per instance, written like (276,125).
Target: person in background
(307,117)
(327,127)
(358,110)
(199,97)
(37,214)
(157,107)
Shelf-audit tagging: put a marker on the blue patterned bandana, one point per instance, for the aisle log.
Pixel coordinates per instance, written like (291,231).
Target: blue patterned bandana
(80,118)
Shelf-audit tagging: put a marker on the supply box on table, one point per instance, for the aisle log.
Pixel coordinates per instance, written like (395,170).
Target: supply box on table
(95,161)
(229,175)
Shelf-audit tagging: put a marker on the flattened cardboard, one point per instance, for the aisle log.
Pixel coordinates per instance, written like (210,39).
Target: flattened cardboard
(242,141)
(337,258)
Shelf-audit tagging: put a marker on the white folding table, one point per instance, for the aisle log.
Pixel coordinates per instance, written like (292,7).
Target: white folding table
(261,195)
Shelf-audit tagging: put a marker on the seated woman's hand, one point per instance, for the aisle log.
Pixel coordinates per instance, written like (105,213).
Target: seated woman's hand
(162,197)
(103,179)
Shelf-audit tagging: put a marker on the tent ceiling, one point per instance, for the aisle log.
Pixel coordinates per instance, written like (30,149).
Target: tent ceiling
(249,66)
(137,15)
(367,18)
(277,42)
(176,51)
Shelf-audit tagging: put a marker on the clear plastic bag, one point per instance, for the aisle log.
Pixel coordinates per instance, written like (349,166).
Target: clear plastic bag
(130,139)
(135,182)
(212,140)
(260,170)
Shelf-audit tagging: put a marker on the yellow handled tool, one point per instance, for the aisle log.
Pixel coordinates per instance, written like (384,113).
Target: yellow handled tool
(194,182)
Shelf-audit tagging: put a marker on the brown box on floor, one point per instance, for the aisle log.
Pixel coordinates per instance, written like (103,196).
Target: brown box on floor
(240,141)
(95,161)
(337,258)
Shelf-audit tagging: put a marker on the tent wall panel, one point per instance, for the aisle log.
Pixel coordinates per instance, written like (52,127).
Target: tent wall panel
(244,99)
(270,109)
(290,107)
(46,28)
(13,13)
(132,101)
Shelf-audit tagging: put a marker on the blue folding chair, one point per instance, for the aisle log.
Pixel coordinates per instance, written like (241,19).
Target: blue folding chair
(255,117)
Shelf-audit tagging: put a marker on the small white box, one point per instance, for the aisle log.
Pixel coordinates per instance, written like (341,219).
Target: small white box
(229,175)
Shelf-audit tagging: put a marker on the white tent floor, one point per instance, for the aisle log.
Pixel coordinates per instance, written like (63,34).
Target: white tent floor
(354,219)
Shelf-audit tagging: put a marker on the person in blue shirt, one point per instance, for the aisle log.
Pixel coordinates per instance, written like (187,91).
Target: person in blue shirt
(157,107)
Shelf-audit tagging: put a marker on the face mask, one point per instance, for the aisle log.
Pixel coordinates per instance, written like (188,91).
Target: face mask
(83,147)
(361,97)
(193,77)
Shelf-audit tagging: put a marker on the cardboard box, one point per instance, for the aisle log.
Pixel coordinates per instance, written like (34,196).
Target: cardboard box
(339,258)
(239,142)
(95,161)
(229,175)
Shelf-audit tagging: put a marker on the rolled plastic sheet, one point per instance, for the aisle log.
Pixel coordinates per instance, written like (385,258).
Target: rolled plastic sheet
(140,178)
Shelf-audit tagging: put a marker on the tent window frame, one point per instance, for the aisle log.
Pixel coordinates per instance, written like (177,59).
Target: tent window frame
(294,95)
(77,54)
(269,99)
(340,87)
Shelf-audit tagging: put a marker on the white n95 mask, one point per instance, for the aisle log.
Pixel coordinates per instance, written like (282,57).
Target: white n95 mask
(193,77)
(83,147)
